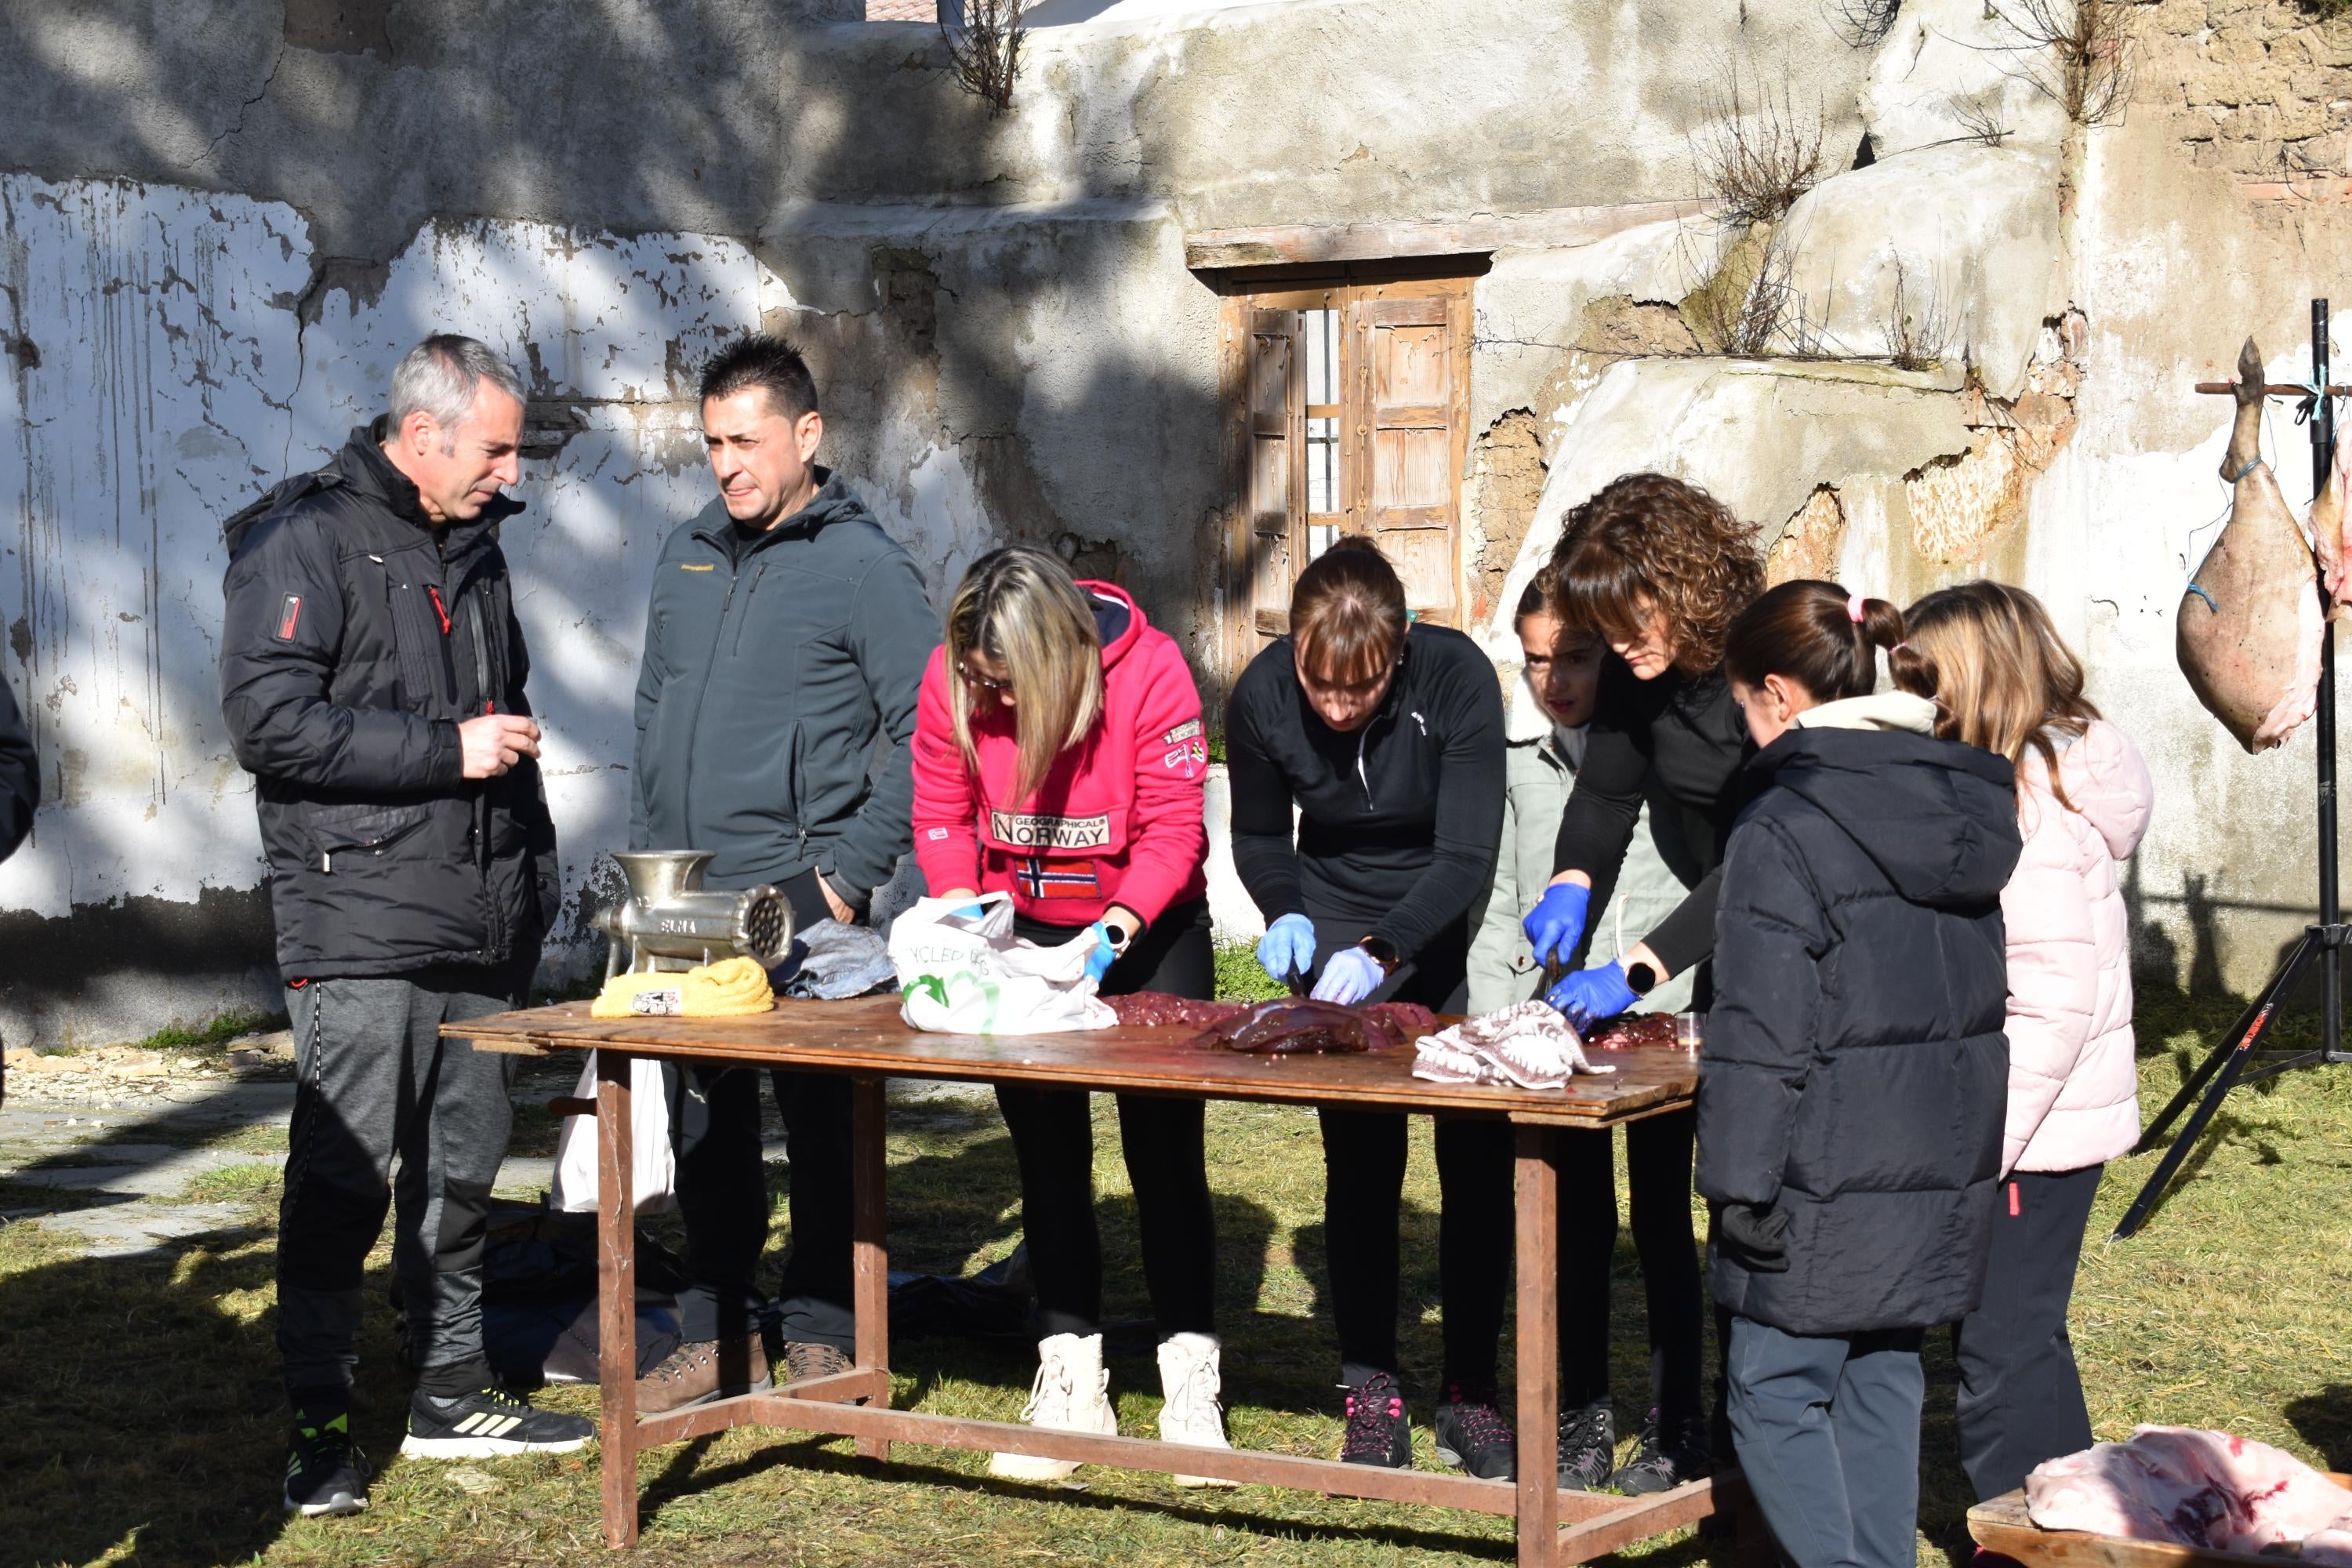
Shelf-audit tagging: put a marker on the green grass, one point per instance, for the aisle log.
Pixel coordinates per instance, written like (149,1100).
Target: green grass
(214,1032)
(1239,979)
(139,1417)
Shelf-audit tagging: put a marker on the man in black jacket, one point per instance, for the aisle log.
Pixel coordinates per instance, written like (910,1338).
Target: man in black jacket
(20,790)
(786,636)
(371,679)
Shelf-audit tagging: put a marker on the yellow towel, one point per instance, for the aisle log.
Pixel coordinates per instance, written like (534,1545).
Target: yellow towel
(733,989)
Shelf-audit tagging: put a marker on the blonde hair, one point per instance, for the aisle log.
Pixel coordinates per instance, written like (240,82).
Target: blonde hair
(2000,676)
(1021,608)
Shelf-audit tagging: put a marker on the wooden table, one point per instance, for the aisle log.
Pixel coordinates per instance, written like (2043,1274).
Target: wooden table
(866,1040)
(2004,1525)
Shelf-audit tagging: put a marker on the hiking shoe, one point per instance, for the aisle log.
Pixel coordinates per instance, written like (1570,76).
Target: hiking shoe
(806,1359)
(1378,1433)
(1473,1436)
(1672,1453)
(489,1424)
(325,1471)
(1071,1393)
(1190,1379)
(698,1373)
(1588,1445)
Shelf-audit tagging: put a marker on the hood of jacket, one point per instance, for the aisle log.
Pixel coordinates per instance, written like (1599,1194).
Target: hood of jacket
(2107,780)
(1897,710)
(1937,817)
(1119,619)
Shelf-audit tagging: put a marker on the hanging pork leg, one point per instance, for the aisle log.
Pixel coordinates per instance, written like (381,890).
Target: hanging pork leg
(2248,628)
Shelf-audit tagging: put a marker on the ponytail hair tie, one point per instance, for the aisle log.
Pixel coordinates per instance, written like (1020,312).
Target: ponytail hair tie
(1903,648)
(1853,609)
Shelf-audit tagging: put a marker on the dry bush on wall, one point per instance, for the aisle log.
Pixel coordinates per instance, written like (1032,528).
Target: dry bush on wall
(1747,304)
(2076,52)
(1757,150)
(984,50)
(1980,118)
(1919,327)
(1864,24)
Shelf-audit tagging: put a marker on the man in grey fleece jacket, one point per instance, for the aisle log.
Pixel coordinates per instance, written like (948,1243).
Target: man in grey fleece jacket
(787,635)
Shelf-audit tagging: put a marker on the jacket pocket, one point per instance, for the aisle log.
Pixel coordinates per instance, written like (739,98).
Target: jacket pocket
(796,780)
(360,828)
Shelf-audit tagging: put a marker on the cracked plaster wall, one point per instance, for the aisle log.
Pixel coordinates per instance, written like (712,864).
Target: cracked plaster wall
(224,221)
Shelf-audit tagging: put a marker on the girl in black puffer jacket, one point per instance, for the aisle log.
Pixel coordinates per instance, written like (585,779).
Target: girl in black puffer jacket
(1854,1077)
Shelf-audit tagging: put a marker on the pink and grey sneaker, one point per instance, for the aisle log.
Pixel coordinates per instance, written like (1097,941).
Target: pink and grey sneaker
(1378,1433)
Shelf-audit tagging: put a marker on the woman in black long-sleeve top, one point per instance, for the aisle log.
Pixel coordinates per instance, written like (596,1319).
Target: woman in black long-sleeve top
(1660,569)
(1388,738)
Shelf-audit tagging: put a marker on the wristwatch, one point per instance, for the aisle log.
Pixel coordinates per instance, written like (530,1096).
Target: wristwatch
(1119,936)
(1383,952)
(1641,979)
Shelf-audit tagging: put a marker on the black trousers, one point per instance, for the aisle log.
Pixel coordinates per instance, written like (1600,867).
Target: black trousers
(1363,1194)
(2020,1396)
(1658,1171)
(722,1196)
(1160,1136)
(375,1080)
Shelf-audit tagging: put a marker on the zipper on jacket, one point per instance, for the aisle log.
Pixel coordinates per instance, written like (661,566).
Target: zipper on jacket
(702,692)
(1363,738)
(737,647)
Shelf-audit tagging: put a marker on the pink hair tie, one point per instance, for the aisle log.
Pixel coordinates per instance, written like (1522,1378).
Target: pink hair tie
(1853,609)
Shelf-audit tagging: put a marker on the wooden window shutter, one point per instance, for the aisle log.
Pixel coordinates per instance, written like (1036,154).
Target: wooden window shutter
(1275,505)
(1411,419)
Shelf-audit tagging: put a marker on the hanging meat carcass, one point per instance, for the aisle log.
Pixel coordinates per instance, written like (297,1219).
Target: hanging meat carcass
(2249,625)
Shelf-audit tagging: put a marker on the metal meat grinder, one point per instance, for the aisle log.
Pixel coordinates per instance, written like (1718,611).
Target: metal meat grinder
(670,922)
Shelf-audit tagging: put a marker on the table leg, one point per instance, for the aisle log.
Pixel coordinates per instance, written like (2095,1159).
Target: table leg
(872,1259)
(617,1297)
(1538,1345)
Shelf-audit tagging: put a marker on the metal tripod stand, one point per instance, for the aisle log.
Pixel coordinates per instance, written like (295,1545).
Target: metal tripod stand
(2232,1062)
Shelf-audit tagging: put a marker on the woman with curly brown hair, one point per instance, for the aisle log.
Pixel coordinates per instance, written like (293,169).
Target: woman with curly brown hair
(1660,569)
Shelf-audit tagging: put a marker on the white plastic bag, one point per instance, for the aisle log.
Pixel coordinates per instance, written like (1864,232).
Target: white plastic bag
(653,1164)
(965,973)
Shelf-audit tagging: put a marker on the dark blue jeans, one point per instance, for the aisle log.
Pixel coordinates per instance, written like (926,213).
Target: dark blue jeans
(1827,1431)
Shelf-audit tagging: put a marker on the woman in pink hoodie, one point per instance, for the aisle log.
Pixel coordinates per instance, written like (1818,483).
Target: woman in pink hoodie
(2004,681)
(1059,758)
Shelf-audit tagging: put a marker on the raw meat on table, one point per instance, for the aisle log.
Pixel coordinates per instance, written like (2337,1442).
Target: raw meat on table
(1292,1025)
(1629,1030)
(2198,1488)
(2248,631)
(1156,1009)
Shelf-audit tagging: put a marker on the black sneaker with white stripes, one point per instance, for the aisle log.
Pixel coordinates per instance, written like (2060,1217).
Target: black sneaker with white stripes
(489,1424)
(325,1471)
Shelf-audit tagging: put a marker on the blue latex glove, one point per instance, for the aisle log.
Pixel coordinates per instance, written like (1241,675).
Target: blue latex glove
(1592,993)
(1100,960)
(1350,977)
(975,911)
(1556,922)
(1287,947)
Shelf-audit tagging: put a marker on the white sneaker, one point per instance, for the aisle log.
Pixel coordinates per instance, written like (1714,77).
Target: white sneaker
(1071,1394)
(1189,1379)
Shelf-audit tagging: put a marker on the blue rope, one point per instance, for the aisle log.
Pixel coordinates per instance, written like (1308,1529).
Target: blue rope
(2206,596)
(2252,463)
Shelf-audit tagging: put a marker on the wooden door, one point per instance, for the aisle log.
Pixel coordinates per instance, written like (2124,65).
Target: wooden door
(1410,420)
(1275,503)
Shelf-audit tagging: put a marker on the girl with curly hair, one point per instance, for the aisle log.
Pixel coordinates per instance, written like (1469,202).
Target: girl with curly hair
(1660,569)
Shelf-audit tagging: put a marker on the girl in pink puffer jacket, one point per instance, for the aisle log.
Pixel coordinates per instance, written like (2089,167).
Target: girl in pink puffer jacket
(2002,680)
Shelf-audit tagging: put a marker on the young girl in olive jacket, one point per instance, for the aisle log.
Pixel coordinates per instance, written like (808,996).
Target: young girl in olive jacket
(1855,1076)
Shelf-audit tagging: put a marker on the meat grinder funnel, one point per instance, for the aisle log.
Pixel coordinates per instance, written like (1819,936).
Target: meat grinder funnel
(670,921)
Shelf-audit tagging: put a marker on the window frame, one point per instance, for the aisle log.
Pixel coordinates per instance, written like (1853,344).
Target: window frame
(1370,297)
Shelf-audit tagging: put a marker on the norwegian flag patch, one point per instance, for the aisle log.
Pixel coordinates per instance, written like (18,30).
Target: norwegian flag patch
(1042,879)
(290,617)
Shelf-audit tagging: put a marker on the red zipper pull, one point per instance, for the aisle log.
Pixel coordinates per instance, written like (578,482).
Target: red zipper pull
(438,608)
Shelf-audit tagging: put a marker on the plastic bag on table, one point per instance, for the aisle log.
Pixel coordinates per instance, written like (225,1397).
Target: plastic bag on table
(966,973)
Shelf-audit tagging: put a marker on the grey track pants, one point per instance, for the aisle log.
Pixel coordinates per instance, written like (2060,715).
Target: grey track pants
(1827,1431)
(375,1081)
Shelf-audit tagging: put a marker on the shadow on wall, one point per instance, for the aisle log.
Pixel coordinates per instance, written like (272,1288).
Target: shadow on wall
(941,352)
